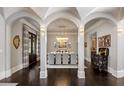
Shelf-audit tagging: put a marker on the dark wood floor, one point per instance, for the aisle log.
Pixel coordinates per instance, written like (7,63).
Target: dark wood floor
(68,77)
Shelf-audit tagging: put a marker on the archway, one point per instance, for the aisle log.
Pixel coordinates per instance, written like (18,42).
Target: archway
(99,15)
(67,16)
(62,37)
(19,19)
(100,27)
(76,21)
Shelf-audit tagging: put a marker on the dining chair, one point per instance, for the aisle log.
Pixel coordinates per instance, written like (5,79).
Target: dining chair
(58,58)
(73,58)
(51,58)
(65,58)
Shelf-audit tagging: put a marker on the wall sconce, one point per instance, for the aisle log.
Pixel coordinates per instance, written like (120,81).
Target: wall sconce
(120,30)
(81,29)
(42,28)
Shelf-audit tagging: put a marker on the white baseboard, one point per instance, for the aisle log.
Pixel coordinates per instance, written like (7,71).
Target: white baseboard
(115,73)
(62,66)
(112,71)
(13,70)
(16,68)
(8,73)
(120,73)
(2,75)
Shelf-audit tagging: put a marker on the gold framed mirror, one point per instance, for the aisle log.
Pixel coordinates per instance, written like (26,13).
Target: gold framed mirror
(16,41)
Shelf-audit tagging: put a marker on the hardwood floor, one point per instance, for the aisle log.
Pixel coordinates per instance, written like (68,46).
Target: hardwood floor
(67,77)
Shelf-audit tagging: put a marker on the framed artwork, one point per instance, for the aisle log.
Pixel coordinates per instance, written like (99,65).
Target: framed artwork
(100,42)
(62,44)
(16,41)
(107,41)
(104,41)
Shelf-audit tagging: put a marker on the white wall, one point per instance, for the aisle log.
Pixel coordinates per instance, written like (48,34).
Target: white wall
(87,49)
(16,54)
(120,65)
(2,48)
(105,29)
(52,38)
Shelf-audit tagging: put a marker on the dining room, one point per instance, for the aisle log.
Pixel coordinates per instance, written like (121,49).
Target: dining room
(62,44)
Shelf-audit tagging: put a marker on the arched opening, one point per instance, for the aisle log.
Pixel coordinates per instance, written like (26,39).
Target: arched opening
(58,15)
(22,41)
(62,28)
(62,44)
(100,34)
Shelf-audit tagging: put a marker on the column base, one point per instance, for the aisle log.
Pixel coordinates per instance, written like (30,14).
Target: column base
(43,74)
(81,74)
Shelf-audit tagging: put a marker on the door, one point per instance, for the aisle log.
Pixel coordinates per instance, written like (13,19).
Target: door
(32,48)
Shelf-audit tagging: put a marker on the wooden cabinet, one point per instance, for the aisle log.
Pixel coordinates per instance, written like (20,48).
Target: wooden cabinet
(100,61)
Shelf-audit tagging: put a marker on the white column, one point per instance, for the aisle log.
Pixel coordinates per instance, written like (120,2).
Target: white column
(43,52)
(81,73)
(8,51)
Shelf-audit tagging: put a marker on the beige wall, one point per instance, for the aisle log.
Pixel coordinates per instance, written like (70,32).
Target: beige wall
(52,38)
(16,54)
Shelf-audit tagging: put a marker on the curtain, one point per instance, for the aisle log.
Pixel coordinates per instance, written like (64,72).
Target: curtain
(25,47)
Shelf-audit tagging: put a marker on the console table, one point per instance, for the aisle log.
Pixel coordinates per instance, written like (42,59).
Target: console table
(100,61)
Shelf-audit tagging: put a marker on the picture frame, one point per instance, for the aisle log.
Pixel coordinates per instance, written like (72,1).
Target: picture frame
(16,41)
(107,41)
(104,41)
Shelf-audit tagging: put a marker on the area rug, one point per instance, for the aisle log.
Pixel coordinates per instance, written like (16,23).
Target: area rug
(8,84)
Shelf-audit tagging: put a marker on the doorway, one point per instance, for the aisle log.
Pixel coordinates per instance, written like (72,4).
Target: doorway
(32,48)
